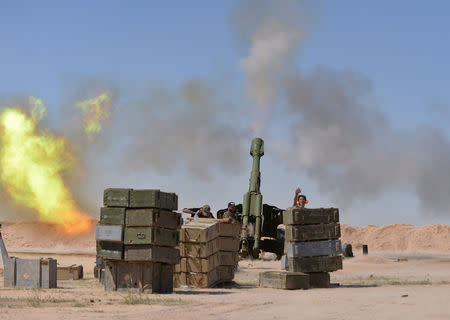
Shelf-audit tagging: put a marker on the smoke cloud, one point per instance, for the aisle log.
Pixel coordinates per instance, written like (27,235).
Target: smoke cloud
(190,126)
(337,133)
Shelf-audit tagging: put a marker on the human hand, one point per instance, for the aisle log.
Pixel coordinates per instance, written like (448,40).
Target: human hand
(298,191)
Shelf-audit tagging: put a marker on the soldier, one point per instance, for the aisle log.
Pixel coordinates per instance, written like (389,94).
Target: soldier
(299,199)
(231,213)
(203,212)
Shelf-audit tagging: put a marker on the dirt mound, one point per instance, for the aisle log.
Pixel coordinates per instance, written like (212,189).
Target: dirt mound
(399,237)
(35,236)
(29,236)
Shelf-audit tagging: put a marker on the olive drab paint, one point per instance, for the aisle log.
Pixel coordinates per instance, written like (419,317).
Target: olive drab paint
(253,200)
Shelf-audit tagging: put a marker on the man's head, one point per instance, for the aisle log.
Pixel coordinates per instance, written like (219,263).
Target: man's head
(206,210)
(302,201)
(231,207)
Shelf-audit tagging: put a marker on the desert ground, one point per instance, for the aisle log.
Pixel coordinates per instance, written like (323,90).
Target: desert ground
(389,283)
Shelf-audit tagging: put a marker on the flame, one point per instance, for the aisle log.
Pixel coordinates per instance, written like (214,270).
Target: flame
(32,164)
(95,112)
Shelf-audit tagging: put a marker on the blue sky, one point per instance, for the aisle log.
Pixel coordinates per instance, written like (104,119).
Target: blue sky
(402,46)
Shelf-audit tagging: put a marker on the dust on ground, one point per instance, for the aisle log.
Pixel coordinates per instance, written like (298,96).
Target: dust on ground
(405,275)
(377,286)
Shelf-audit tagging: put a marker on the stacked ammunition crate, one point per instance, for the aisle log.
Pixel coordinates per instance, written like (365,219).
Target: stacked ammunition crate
(209,253)
(137,237)
(312,243)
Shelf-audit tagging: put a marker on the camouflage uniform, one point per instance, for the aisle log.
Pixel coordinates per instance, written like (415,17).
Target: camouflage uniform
(231,215)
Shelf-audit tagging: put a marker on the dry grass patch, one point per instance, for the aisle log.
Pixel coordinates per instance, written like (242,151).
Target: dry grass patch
(385,281)
(34,300)
(140,298)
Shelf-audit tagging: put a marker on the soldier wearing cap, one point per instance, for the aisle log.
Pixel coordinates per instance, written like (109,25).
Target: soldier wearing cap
(299,199)
(231,212)
(203,212)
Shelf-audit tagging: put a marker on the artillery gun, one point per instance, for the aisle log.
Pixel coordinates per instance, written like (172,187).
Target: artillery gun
(261,220)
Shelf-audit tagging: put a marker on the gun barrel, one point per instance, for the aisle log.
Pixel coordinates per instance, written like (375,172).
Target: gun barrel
(252,202)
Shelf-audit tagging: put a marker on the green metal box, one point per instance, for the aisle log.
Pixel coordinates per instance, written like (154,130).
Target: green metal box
(149,235)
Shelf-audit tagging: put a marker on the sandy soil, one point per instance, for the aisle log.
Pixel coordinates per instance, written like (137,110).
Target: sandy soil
(405,275)
(370,287)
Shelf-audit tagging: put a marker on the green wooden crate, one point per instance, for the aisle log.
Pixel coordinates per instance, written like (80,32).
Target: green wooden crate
(319,279)
(153,198)
(315,264)
(305,216)
(149,235)
(148,252)
(284,280)
(116,197)
(329,231)
(110,250)
(153,217)
(151,277)
(111,215)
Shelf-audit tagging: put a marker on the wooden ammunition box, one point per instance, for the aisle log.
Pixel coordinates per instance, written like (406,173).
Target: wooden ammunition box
(147,252)
(202,232)
(72,272)
(296,233)
(153,217)
(112,215)
(116,197)
(142,276)
(152,198)
(204,279)
(284,280)
(200,264)
(112,233)
(226,273)
(314,248)
(319,279)
(230,229)
(149,235)
(228,258)
(305,216)
(315,264)
(110,250)
(229,244)
(199,250)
